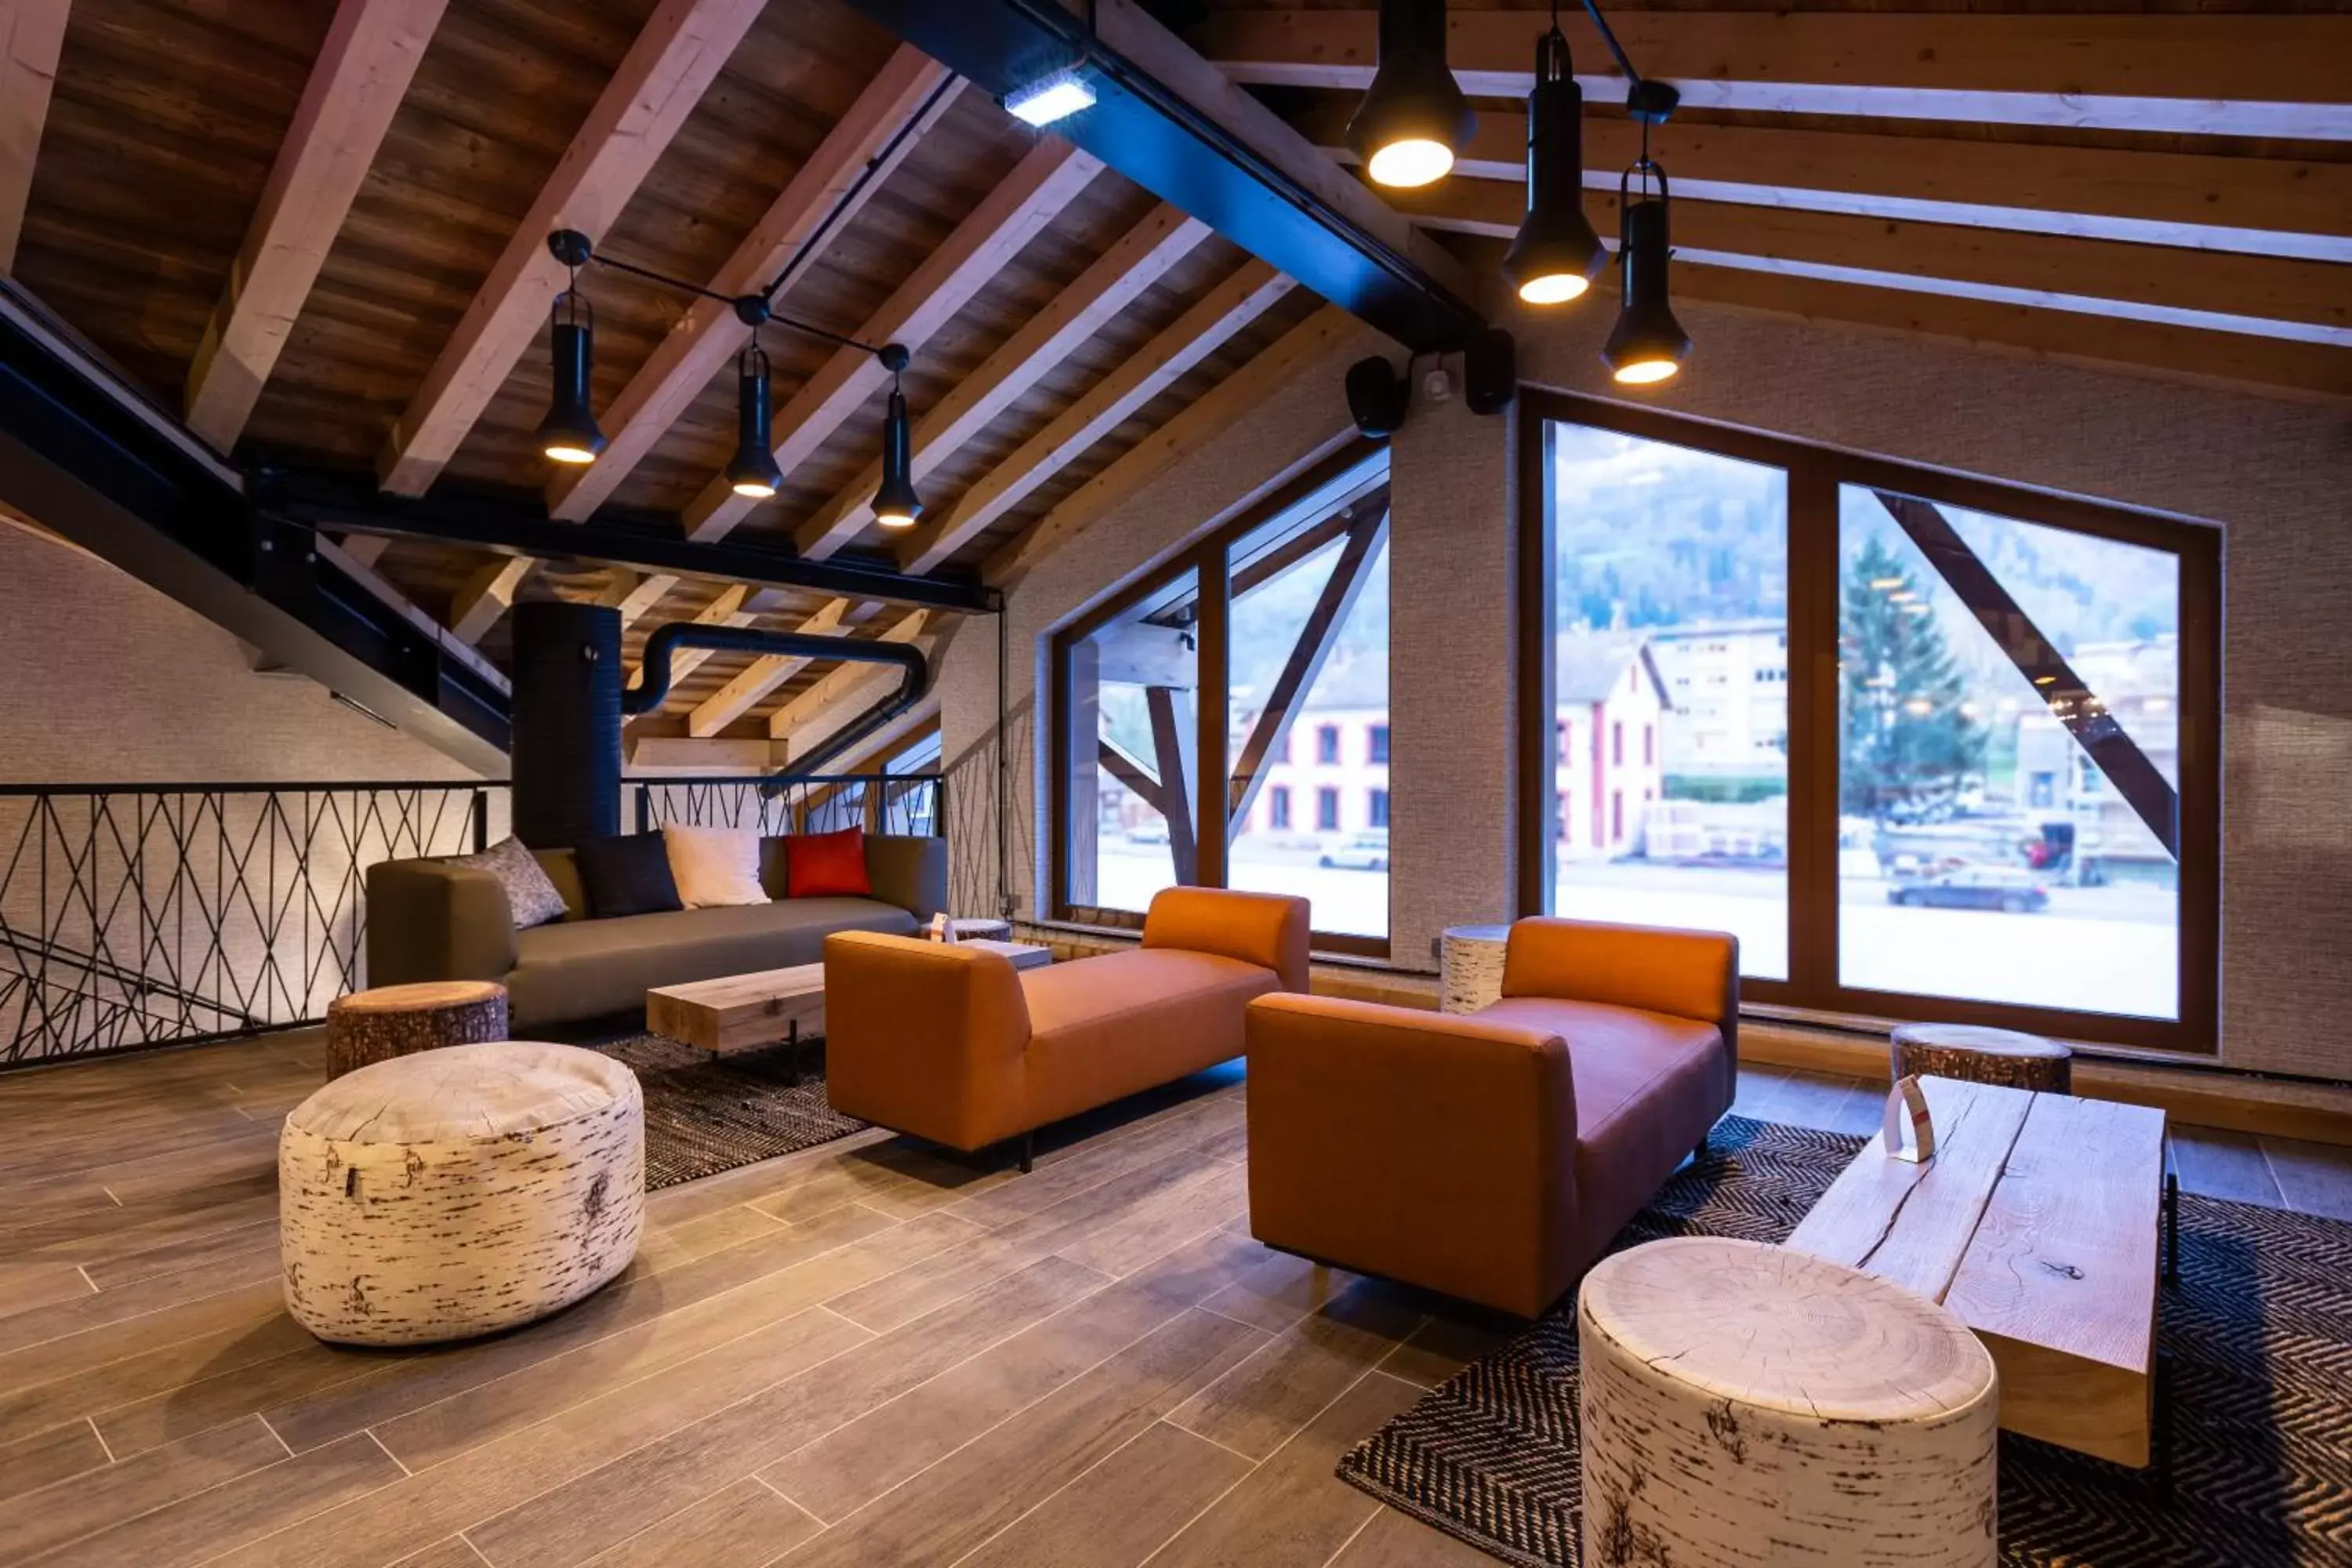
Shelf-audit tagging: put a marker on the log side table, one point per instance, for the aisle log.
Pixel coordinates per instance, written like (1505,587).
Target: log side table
(1745,1405)
(399,1020)
(1977,1054)
(1470,967)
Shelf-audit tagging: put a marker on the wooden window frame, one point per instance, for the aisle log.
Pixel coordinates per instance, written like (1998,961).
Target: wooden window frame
(1210,558)
(1814,475)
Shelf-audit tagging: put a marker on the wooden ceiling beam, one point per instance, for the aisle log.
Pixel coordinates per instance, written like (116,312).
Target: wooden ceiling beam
(486,596)
(727,610)
(1248,293)
(760,676)
(1208,417)
(1006,220)
(2267,206)
(2239,75)
(820,711)
(897,109)
(683,48)
(32,33)
(2222,290)
(361,75)
(1141,258)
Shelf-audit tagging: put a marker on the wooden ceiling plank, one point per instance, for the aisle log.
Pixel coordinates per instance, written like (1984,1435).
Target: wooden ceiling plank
(486,596)
(32,33)
(2263,205)
(2223,290)
(1209,416)
(1141,258)
(367,548)
(659,754)
(1231,305)
(889,119)
(820,711)
(363,73)
(683,48)
(763,676)
(727,610)
(1044,182)
(2247,75)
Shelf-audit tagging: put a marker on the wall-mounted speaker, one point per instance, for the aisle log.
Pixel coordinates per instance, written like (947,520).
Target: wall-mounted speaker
(1377,395)
(1490,370)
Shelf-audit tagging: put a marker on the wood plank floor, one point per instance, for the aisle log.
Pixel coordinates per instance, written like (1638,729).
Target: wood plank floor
(861,1354)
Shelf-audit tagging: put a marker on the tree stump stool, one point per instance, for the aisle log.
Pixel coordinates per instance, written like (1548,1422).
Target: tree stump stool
(397,1020)
(1744,1404)
(1976,1055)
(457,1192)
(1470,967)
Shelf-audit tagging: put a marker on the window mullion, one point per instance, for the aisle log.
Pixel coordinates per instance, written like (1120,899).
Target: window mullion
(1812,730)
(1216,685)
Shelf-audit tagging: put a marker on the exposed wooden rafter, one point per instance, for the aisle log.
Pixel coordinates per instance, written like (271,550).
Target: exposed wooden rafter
(728,609)
(817,714)
(1012,215)
(1208,415)
(2239,75)
(32,33)
(682,48)
(2222,290)
(1141,258)
(2266,206)
(750,687)
(488,595)
(371,51)
(1253,289)
(888,120)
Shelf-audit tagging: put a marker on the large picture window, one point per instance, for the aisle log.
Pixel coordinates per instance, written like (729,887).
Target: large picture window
(1276,626)
(1931,748)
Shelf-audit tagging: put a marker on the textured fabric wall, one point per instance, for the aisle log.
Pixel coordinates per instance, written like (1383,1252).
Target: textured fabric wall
(109,681)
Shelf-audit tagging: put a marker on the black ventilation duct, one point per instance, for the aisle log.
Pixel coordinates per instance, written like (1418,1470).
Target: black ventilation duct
(566,761)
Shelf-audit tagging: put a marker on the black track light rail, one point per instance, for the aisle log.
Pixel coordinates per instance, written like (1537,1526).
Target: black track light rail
(337,498)
(754,309)
(1647,101)
(1153,136)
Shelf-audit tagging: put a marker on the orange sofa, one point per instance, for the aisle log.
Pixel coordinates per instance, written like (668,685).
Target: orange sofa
(1492,1155)
(951,1043)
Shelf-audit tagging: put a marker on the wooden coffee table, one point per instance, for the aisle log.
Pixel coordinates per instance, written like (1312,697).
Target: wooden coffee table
(741,1012)
(2037,1224)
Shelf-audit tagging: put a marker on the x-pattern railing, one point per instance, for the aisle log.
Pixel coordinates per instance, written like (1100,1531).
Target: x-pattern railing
(908,802)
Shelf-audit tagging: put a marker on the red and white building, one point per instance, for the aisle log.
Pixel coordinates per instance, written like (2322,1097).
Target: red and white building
(1331,776)
(1609,703)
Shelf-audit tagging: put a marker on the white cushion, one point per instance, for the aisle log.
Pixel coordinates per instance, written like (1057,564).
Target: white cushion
(714,866)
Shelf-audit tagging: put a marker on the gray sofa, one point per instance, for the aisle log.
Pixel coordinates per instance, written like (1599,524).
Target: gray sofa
(430,919)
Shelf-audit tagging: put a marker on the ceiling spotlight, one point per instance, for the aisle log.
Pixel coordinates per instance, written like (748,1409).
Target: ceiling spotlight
(1414,117)
(895,504)
(1053,98)
(1647,345)
(753,472)
(569,434)
(1556,255)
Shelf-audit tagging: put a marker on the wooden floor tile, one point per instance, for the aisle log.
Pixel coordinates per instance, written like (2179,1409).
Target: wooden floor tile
(2313,1178)
(24,1286)
(1393,1539)
(1254,1408)
(1123,1508)
(2215,1163)
(38,1520)
(743,1526)
(33,1462)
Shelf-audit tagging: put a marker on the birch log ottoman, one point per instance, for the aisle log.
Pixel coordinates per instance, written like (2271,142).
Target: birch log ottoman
(395,1020)
(1744,1404)
(459,1191)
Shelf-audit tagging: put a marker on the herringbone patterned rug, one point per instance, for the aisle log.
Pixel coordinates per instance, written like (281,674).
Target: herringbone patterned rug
(704,1116)
(2260,1328)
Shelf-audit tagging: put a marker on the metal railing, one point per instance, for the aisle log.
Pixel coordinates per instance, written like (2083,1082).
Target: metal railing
(135,915)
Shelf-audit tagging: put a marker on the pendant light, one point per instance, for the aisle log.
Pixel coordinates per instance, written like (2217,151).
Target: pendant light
(1647,345)
(895,504)
(569,434)
(1556,255)
(752,473)
(1414,117)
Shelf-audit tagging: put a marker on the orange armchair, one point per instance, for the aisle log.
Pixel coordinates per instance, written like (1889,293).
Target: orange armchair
(1492,1156)
(950,1043)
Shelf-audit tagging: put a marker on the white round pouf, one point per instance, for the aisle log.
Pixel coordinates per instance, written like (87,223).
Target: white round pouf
(1744,1404)
(459,1191)
(1470,967)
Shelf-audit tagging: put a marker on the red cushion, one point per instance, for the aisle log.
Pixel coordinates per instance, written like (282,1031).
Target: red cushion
(826,865)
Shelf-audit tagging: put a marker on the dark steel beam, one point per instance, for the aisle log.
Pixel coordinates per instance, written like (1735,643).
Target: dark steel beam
(505,525)
(1142,126)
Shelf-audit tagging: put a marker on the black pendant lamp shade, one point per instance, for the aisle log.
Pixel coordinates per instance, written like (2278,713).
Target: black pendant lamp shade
(1414,117)
(1647,345)
(1556,255)
(753,472)
(895,504)
(569,434)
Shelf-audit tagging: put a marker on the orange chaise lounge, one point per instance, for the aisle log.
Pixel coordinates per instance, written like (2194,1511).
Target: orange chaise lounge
(951,1044)
(1492,1155)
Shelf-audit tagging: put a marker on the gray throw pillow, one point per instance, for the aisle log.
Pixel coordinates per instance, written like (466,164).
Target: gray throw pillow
(531,898)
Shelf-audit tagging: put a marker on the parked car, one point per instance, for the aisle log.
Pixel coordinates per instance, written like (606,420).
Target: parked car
(1148,832)
(1973,887)
(1364,852)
